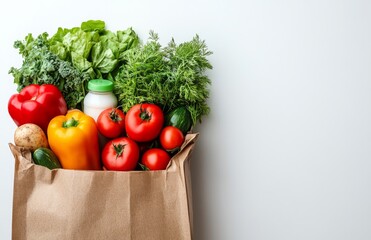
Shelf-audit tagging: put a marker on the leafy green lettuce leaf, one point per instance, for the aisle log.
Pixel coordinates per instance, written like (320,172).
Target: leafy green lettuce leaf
(93,49)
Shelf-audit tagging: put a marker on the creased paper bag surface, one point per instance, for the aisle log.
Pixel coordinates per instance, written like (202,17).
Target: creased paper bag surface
(75,204)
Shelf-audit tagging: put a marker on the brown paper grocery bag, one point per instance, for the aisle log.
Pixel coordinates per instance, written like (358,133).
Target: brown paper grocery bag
(73,204)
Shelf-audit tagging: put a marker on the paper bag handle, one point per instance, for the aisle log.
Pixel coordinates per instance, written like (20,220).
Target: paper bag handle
(22,156)
(184,152)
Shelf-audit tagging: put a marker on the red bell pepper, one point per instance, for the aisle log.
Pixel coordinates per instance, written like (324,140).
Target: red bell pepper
(37,104)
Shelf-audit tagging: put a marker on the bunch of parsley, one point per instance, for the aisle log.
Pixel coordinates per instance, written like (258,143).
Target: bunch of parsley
(41,66)
(171,76)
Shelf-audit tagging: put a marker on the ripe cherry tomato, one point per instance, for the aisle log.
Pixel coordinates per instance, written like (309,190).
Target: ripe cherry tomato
(120,154)
(171,138)
(156,159)
(111,123)
(143,122)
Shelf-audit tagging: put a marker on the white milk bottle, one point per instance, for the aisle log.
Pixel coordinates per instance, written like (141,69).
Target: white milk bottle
(99,97)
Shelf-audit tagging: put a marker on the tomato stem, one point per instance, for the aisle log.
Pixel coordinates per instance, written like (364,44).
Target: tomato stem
(114,115)
(119,149)
(144,114)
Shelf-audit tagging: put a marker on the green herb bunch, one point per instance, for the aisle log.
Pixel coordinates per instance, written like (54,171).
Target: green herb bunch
(170,76)
(41,66)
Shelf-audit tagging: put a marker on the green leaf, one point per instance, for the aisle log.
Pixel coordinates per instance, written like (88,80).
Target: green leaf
(80,62)
(93,25)
(143,167)
(103,57)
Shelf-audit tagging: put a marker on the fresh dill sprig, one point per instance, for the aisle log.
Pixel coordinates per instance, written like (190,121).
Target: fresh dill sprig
(171,76)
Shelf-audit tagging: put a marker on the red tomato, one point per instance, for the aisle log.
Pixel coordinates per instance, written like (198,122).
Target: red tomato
(120,154)
(144,122)
(111,123)
(171,138)
(156,159)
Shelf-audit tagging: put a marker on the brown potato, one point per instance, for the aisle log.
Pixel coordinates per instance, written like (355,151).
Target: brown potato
(30,136)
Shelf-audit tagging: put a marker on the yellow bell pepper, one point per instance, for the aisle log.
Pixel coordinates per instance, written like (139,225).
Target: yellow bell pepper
(74,139)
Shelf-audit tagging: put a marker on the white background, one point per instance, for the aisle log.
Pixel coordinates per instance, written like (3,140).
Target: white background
(285,152)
